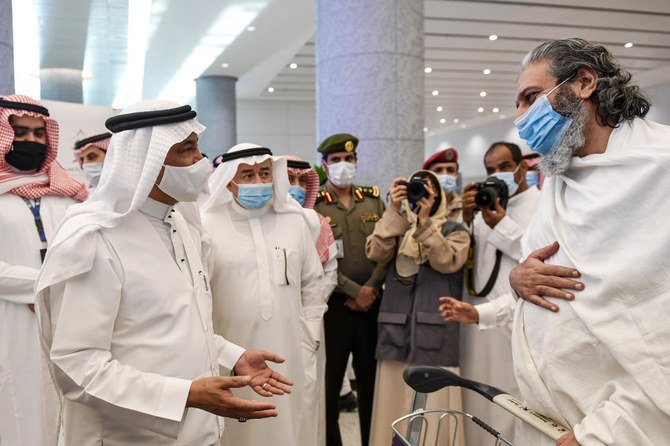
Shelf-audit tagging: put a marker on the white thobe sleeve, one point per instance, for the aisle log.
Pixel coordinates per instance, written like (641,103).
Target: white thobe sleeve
(498,312)
(227,352)
(312,286)
(17,283)
(83,317)
(506,236)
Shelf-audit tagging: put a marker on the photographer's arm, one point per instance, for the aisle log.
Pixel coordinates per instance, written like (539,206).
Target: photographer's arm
(380,245)
(446,253)
(506,233)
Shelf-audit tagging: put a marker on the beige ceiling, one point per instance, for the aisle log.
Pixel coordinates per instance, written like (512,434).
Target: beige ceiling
(458,49)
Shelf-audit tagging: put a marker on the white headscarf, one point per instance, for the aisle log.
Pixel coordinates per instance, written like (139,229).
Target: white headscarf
(132,164)
(224,174)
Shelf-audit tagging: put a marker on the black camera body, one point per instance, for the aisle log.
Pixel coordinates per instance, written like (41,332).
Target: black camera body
(488,191)
(416,190)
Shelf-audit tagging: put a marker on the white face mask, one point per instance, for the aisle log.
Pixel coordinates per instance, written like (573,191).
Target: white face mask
(92,172)
(185,183)
(341,174)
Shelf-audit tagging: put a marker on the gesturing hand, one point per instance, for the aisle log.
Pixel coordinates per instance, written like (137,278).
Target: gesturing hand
(264,380)
(533,279)
(213,395)
(567,440)
(453,310)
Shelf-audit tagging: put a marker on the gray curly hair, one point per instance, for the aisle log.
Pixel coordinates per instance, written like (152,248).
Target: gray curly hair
(616,98)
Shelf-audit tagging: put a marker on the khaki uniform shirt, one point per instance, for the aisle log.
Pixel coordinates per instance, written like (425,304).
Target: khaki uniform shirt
(351,227)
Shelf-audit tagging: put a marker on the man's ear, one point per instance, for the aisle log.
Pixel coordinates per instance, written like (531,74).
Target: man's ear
(587,82)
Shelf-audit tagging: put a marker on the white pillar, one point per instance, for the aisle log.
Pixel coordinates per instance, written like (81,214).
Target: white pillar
(216,104)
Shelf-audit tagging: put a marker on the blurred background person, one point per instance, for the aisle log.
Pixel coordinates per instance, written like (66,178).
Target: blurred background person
(90,154)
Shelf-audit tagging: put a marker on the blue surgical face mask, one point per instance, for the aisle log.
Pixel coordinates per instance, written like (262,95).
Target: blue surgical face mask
(448,183)
(541,126)
(532,178)
(298,193)
(254,196)
(508,178)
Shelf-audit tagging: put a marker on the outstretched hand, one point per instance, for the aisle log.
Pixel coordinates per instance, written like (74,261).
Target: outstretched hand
(263,380)
(533,280)
(453,310)
(213,395)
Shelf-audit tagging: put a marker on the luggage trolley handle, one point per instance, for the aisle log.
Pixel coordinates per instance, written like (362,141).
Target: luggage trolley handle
(427,379)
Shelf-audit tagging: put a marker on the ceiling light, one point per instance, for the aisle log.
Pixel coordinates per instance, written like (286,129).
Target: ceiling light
(271,89)
(293,66)
(435,93)
(439,108)
(251,28)
(463,126)
(493,37)
(487,71)
(502,116)
(482,94)
(442,121)
(425,129)
(495,110)
(628,45)
(428,70)
(480,109)
(456,121)
(225,65)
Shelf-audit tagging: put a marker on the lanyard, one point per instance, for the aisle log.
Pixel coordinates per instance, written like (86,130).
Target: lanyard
(35,209)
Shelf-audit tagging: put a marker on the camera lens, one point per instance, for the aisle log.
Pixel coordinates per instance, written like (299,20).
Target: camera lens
(416,190)
(486,198)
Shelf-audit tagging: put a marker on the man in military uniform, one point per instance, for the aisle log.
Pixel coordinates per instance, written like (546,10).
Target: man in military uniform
(351,320)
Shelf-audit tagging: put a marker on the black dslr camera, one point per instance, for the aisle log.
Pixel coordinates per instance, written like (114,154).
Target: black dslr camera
(487,192)
(416,190)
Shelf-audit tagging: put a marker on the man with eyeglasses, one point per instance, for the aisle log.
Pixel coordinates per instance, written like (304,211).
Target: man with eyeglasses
(34,194)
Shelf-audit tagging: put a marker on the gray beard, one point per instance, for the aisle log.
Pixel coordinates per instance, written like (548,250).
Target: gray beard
(558,161)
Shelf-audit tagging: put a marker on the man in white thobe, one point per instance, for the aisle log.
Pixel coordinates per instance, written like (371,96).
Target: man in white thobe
(124,300)
(486,355)
(35,191)
(268,285)
(600,365)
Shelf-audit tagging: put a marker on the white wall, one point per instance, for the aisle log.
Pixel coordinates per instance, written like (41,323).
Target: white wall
(660,103)
(286,127)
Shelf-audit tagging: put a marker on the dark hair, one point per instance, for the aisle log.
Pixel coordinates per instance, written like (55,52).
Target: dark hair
(615,97)
(516,150)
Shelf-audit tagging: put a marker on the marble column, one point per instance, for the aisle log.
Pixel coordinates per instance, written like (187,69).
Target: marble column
(61,84)
(216,105)
(370,83)
(6,48)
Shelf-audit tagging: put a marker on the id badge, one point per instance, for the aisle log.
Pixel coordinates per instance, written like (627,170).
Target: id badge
(340,248)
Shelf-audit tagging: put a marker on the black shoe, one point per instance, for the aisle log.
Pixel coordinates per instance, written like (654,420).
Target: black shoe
(348,402)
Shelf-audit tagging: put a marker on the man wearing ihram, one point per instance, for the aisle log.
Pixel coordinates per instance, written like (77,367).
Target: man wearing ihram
(124,302)
(600,364)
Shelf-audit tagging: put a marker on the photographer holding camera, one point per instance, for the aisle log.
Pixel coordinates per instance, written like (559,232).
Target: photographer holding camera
(426,248)
(497,212)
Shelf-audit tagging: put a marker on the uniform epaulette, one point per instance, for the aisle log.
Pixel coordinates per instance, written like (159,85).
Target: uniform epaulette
(324,195)
(372,191)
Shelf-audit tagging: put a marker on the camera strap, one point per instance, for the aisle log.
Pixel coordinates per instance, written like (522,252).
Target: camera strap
(470,272)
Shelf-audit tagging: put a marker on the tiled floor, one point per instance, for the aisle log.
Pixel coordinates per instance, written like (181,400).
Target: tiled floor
(349,429)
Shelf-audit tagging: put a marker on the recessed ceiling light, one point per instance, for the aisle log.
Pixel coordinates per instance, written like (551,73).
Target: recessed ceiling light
(442,121)
(482,94)
(251,28)
(493,37)
(439,108)
(425,129)
(271,89)
(628,45)
(293,66)
(463,126)
(435,93)
(487,71)
(456,121)
(495,110)
(480,109)
(428,70)
(225,65)
(502,116)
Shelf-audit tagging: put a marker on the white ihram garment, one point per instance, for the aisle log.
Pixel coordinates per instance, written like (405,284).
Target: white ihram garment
(28,398)
(601,365)
(486,355)
(268,286)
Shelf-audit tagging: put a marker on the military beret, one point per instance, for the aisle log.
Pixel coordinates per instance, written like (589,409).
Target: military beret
(449,155)
(341,142)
